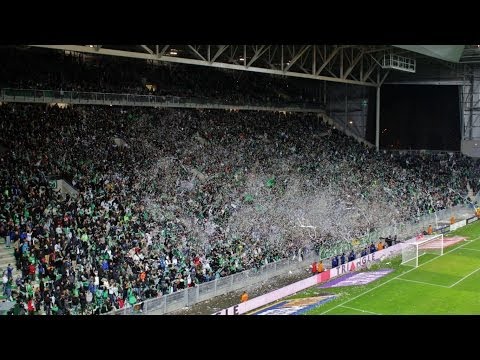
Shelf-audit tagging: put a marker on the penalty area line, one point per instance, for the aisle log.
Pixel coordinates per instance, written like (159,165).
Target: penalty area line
(455,283)
(360,310)
(421,282)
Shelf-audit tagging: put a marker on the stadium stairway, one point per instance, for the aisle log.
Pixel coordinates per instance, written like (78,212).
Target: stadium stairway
(6,257)
(471,195)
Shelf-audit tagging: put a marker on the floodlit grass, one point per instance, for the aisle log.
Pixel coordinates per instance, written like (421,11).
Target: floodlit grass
(474,245)
(448,284)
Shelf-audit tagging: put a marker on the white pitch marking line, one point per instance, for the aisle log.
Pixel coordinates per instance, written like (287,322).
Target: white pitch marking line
(426,262)
(422,282)
(473,272)
(365,311)
(471,249)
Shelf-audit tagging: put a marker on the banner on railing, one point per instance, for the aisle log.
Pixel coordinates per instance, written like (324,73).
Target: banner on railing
(364,261)
(354,264)
(472,219)
(444,229)
(269,298)
(458,225)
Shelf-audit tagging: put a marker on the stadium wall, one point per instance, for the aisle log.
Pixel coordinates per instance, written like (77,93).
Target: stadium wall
(458,225)
(472,219)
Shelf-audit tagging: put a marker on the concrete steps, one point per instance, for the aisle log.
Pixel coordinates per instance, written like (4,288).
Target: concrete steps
(471,195)
(6,257)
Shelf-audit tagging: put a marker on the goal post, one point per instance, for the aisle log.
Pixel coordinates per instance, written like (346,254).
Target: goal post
(421,245)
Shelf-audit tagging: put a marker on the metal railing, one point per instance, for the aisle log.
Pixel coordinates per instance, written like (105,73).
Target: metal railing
(100,98)
(187,297)
(422,151)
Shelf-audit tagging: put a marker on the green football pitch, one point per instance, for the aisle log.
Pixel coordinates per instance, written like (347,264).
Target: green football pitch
(447,284)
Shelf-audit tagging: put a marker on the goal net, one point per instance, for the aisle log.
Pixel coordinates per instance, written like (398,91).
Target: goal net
(421,245)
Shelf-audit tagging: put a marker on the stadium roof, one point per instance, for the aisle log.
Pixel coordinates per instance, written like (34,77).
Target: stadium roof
(351,64)
(451,53)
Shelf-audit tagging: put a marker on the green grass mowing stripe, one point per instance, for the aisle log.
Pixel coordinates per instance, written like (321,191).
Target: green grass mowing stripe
(447,269)
(347,311)
(465,248)
(474,245)
(405,298)
(470,284)
(434,277)
(421,282)
(453,278)
(349,292)
(386,282)
(467,252)
(470,230)
(466,276)
(412,300)
(399,297)
(468,255)
(360,310)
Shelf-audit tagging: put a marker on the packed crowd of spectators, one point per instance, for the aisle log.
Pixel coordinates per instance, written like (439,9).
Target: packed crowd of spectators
(48,70)
(157,215)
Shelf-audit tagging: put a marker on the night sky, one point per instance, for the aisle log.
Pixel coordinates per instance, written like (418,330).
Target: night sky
(416,117)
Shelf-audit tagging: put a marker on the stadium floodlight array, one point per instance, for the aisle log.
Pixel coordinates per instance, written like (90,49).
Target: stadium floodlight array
(413,249)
